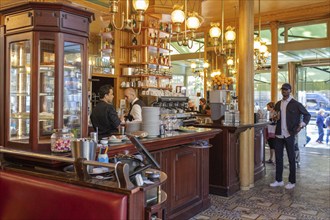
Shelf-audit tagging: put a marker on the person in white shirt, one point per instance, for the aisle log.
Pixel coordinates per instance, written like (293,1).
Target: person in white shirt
(291,116)
(135,111)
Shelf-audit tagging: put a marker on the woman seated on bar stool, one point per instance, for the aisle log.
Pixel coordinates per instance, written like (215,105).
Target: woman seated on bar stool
(203,107)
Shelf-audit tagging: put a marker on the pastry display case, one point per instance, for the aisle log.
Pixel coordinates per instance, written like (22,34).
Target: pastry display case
(45,73)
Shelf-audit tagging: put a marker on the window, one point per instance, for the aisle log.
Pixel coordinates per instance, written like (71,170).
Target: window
(195,86)
(262,94)
(177,80)
(307,32)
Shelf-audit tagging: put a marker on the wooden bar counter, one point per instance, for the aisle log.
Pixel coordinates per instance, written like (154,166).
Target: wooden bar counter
(184,161)
(224,156)
(186,166)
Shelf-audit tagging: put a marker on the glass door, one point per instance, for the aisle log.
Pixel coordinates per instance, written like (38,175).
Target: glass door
(46,88)
(72,96)
(20,91)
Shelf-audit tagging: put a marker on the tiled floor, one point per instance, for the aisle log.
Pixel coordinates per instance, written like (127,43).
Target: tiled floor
(310,199)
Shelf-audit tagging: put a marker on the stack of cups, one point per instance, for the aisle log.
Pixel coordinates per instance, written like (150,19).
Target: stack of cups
(150,120)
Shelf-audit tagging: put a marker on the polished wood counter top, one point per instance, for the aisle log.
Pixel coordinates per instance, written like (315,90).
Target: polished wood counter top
(232,127)
(171,139)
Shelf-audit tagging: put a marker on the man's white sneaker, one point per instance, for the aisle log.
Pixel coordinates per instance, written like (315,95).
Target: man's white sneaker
(275,184)
(290,185)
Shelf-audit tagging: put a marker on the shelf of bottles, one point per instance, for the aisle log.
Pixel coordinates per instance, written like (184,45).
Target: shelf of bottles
(104,64)
(153,48)
(149,57)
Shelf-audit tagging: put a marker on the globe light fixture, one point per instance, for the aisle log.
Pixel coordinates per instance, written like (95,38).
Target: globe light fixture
(260,49)
(222,40)
(192,21)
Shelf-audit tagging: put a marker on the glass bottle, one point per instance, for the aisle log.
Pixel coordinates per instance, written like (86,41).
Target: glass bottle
(134,41)
(237,114)
(228,116)
(134,57)
(106,44)
(61,140)
(151,40)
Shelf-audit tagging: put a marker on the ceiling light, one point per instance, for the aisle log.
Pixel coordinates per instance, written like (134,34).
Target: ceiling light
(215,33)
(192,21)
(129,23)
(260,49)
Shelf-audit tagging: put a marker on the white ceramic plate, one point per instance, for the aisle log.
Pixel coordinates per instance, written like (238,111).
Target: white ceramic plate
(187,129)
(115,140)
(99,170)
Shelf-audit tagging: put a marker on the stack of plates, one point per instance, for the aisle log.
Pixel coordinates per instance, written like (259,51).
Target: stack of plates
(150,120)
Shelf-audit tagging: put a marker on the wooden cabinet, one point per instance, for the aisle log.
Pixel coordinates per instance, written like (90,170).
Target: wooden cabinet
(187,185)
(45,64)
(259,150)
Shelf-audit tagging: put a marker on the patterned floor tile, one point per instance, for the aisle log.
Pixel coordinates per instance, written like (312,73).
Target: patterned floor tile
(286,217)
(310,199)
(251,216)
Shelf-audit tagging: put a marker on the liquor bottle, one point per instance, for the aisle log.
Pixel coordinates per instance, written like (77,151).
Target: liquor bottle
(106,44)
(166,43)
(110,27)
(228,118)
(155,39)
(167,28)
(134,57)
(236,114)
(161,42)
(151,40)
(134,41)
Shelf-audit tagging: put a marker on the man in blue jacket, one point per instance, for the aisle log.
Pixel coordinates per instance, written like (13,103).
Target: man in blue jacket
(291,117)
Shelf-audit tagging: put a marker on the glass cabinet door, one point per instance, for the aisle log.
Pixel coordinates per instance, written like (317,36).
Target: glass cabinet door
(72,87)
(20,78)
(46,88)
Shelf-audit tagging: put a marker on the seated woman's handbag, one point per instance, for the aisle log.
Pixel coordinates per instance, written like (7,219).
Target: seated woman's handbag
(271,131)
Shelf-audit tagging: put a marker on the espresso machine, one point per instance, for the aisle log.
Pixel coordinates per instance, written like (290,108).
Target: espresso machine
(175,106)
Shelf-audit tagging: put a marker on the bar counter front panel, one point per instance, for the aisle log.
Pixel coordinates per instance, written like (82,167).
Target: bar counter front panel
(186,166)
(224,156)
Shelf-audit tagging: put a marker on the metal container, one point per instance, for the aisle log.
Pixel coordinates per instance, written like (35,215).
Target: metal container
(127,71)
(84,148)
(94,136)
(122,129)
(162,129)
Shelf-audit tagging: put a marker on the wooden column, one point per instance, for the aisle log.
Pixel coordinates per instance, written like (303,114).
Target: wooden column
(292,75)
(246,91)
(274,62)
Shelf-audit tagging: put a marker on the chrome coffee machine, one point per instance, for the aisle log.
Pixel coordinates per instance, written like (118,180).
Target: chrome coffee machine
(172,104)
(175,106)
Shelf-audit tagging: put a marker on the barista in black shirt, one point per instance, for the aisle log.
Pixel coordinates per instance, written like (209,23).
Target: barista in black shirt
(104,116)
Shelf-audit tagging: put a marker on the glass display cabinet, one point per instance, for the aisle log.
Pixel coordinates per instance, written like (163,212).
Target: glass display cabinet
(45,64)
